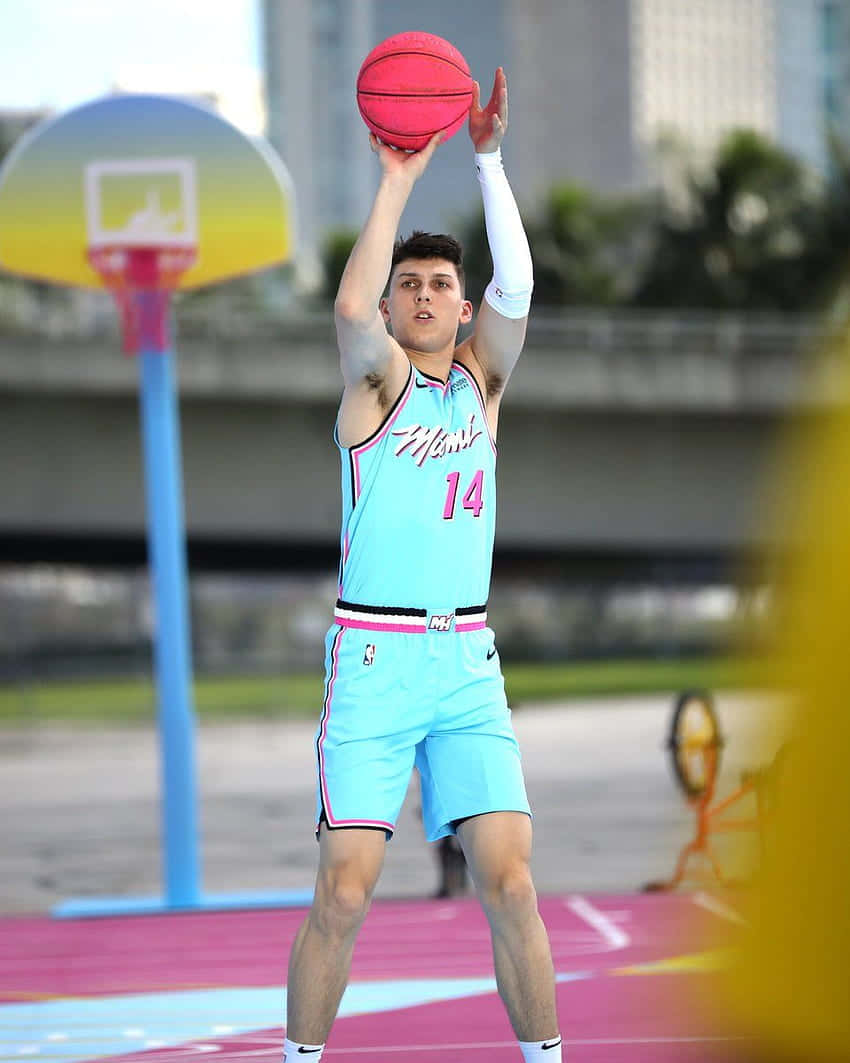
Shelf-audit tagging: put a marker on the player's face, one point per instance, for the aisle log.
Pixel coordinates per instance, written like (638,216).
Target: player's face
(425,304)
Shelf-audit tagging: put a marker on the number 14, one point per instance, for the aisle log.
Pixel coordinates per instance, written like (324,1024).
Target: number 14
(473,498)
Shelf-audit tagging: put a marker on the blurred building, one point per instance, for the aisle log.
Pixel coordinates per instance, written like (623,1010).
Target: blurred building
(313,51)
(813,76)
(593,85)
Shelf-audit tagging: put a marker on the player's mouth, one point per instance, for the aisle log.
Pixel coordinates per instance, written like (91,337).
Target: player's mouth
(424,315)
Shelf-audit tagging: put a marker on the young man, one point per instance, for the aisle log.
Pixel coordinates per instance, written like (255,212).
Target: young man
(412,671)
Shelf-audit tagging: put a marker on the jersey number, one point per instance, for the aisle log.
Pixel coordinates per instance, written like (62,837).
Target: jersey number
(473,498)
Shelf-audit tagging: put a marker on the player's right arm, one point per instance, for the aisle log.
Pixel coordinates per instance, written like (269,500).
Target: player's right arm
(374,367)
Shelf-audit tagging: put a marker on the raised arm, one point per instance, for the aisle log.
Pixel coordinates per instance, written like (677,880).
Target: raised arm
(500,327)
(374,367)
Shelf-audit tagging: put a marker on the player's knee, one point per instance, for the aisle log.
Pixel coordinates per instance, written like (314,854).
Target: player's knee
(510,893)
(342,904)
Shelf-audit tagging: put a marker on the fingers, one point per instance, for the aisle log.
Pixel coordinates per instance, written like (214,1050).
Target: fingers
(476,96)
(500,89)
(431,146)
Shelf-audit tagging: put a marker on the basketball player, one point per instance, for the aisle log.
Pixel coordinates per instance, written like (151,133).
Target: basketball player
(413,676)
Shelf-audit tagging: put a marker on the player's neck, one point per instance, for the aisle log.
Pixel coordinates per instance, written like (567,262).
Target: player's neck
(437,365)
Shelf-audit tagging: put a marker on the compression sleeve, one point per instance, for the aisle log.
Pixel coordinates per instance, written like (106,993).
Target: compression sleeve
(509,291)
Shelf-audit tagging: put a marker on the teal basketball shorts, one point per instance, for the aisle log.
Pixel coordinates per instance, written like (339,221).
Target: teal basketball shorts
(429,698)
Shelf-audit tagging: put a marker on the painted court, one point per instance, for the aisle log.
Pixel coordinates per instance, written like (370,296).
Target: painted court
(637,981)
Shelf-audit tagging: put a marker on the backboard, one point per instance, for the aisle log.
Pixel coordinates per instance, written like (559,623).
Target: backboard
(137,171)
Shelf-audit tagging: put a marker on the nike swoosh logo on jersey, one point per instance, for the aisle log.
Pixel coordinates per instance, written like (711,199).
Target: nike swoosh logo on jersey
(420,385)
(491,654)
(552,1044)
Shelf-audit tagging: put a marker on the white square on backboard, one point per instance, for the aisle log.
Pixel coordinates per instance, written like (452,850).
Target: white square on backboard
(140,202)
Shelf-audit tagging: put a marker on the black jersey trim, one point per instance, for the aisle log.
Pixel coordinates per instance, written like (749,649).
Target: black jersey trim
(390,412)
(320,734)
(323,821)
(353,478)
(379,610)
(468,372)
(435,379)
(468,610)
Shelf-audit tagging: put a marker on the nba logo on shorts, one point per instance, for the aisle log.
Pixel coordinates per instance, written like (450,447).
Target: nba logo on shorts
(369,655)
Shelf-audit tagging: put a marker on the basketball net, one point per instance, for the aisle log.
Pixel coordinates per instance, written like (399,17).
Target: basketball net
(142,279)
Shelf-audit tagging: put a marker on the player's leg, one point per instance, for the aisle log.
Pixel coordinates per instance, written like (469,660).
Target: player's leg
(349,864)
(497,847)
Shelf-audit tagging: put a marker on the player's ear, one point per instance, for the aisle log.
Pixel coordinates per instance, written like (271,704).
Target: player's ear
(466,312)
(384,307)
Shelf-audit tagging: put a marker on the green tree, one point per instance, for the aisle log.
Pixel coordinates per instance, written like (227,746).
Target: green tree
(336,248)
(739,234)
(584,248)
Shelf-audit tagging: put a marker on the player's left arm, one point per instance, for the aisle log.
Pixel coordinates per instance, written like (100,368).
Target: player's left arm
(499,335)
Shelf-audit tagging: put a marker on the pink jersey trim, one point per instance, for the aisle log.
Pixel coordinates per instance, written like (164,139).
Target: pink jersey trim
(326,714)
(326,801)
(356,452)
(462,369)
(376,625)
(436,383)
(478,626)
(360,823)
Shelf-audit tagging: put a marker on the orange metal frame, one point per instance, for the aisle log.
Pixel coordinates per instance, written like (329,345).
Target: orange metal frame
(709,821)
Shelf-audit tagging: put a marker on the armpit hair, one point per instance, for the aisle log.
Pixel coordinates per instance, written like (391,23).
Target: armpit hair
(378,382)
(495,384)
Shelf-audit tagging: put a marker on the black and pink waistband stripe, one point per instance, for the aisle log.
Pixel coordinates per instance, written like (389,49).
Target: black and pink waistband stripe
(408,619)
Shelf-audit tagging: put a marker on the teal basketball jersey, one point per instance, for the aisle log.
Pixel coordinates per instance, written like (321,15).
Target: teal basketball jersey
(419,501)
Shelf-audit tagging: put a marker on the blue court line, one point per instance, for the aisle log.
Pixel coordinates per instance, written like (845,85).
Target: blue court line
(82,1028)
(94,907)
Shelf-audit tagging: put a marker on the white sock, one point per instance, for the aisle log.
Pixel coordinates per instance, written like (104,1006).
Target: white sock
(542,1051)
(293,1051)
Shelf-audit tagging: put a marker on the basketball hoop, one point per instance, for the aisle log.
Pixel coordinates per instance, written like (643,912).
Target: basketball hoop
(142,279)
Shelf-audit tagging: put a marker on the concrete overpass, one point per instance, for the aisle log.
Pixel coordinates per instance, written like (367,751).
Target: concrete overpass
(624,436)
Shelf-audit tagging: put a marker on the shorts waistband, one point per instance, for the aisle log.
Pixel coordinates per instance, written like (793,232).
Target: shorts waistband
(408,619)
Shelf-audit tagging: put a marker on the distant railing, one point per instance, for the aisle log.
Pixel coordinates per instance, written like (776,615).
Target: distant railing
(32,311)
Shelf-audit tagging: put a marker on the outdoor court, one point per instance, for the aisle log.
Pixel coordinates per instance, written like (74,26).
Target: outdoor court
(637,978)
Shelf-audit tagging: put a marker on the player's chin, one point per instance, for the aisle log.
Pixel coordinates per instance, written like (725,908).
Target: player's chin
(425,336)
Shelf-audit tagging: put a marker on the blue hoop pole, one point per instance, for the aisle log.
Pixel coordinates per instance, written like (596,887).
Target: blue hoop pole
(172,647)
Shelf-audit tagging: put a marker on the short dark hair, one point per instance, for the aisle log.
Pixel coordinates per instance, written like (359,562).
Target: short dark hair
(430,245)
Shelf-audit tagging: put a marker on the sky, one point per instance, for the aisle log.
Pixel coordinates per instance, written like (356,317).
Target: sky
(60,53)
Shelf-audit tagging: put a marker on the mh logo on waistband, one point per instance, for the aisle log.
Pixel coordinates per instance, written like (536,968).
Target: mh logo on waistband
(441,623)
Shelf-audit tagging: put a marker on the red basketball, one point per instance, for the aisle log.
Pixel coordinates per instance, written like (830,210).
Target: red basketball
(411,86)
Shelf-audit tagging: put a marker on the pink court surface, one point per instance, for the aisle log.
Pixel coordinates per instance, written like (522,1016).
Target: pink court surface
(638,980)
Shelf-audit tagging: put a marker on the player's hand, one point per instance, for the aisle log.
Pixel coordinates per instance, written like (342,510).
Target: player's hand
(408,164)
(487,125)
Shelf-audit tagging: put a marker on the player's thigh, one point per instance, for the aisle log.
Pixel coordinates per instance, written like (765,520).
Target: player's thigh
(496,845)
(350,862)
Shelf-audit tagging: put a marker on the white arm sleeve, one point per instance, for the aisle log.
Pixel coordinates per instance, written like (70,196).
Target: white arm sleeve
(509,292)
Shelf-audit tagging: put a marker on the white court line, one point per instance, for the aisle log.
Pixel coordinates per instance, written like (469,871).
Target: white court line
(718,907)
(612,935)
(273,1047)
(575,1042)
